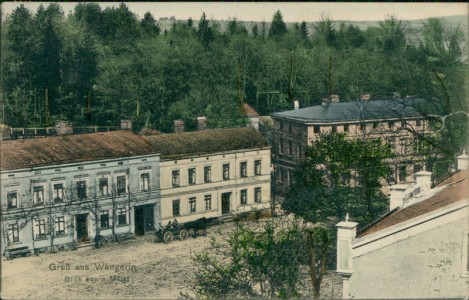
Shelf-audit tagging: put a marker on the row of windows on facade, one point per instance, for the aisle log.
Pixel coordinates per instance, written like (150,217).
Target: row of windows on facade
(41,225)
(191,173)
(58,191)
(362,127)
(208,201)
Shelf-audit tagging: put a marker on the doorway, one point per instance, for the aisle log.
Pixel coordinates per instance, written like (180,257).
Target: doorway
(225,203)
(144,219)
(82,228)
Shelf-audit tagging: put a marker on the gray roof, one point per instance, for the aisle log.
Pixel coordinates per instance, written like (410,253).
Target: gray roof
(354,111)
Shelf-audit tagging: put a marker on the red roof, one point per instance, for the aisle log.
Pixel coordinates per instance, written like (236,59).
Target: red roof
(457,189)
(250,112)
(52,150)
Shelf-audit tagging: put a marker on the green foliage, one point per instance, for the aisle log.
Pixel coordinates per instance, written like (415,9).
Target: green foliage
(340,176)
(263,260)
(278,28)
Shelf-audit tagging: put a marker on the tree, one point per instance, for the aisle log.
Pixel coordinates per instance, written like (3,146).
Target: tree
(149,25)
(278,28)
(204,31)
(325,33)
(304,30)
(263,260)
(392,35)
(340,176)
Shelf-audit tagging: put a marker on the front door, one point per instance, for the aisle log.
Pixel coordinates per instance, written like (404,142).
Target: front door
(225,203)
(82,228)
(144,219)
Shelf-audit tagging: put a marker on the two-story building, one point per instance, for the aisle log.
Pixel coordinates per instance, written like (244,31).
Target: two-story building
(61,190)
(394,120)
(58,191)
(212,173)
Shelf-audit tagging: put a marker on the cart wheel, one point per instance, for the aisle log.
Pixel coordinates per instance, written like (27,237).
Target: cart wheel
(168,237)
(183,235)
(106,243)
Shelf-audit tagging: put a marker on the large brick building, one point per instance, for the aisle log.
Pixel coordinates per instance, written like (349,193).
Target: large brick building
(391,119)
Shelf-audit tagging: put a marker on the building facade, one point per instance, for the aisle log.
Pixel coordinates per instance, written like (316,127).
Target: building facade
(61,191)
(418,250)
(395,120)
(212,173)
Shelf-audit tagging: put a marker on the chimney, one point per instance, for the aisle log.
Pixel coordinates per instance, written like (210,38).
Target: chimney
(365,97)
(463,161)
(346,232)
(296,105)
(178,125)
(325,101)
(201,123)
(63,127)
(424,180)
(334,98)
(397,195)
(126,124)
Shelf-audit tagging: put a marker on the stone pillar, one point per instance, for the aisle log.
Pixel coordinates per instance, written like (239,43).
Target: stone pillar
(178,126)
(397,195)
(346,232)
(201,123)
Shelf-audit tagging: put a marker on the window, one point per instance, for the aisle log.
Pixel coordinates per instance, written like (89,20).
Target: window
(403,144)
(58,192)
(392,143)
(418,123)
(257,167)
(208,202)
(375,125)
(334,128)
(12,199)
(317,129)
(280,146)
(243,169)
(81,190)
(290,148)
(290,177)
(402,173)
(121,185)
(391,125)
(192,204)
(257,195)
(207,174)
(279,175)
(191,175)
(13,233)
(175,177)
(176,208)
(40,229)
(144,181)
(60,225)
(362,127)
(103,187)
(104,217)
(298,151)
(226,171)
(122,216)
(38,195)
(244,197)
(345,128)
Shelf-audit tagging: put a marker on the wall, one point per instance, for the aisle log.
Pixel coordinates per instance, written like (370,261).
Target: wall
(427,265)
(23,181)
(217,186)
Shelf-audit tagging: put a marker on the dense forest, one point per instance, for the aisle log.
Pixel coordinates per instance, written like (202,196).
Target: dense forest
(97,65)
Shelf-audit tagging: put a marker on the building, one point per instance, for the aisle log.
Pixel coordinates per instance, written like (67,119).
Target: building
(62,190)
(392,119)
(252,116)
(418,250)
(212,173)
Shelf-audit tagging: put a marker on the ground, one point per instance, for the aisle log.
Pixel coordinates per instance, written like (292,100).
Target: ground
(145,270)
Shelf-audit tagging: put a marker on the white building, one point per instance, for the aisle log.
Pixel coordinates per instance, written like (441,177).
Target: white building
(212,173)
(418,250)
(62,190)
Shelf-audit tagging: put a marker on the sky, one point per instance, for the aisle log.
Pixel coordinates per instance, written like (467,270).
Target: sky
(291,11)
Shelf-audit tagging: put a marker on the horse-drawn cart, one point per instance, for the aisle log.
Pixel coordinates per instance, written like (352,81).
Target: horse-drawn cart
(181,231)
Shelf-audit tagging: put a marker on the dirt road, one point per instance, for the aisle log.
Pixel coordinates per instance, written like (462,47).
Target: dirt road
(138,269)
